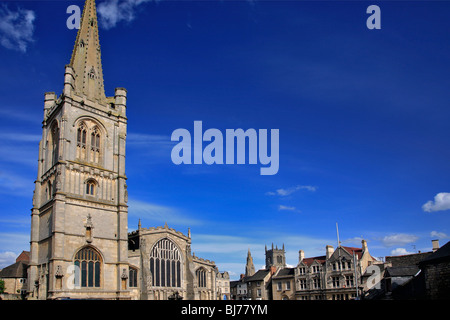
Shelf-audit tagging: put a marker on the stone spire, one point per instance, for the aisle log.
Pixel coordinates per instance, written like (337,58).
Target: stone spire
(249,267)
(86,59)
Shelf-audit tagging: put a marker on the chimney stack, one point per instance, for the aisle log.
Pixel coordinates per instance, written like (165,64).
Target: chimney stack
(435,245)
(364,245)
(301,255)
(330,251)
(273,270)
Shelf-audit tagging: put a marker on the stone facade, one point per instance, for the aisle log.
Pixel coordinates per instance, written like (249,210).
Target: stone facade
(335,276)
(80,246)
(165,267)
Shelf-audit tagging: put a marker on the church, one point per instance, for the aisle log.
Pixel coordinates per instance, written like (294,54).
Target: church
(80,247)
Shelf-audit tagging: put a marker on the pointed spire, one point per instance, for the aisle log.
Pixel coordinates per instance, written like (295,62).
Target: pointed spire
(249,266)
(86,57)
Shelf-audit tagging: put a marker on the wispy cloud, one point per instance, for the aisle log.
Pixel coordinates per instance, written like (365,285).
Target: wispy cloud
(287,208)
(439,235)
(16,28)
(288,191)
(14,242)
(14,184)
(441,202)
(28,116)
(7,258)
(400,252)
(149,139)
(398,239)
(159,213)
(22,137)
(209,243)
(114,11)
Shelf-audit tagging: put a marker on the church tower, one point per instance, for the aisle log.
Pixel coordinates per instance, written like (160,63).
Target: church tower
(249,266)
(79,215)
(275,257)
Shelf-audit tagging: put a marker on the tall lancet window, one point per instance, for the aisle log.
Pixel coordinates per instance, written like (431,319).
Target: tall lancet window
(81,141)
(201,277)
(55,143)
(165,264)
(95,145)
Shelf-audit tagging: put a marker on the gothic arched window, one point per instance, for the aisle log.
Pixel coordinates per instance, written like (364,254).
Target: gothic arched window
(89,141)
(95,145)
(132,277)
(201,277)
(165,264)
(88,268)
(81,141)
(91,185)
(54,146)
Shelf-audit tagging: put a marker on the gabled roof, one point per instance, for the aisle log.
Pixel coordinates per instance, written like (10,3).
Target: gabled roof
(310,261)
(259,275)
(443,253)
(285,273)
(16,270)
(407,271)
(358,251)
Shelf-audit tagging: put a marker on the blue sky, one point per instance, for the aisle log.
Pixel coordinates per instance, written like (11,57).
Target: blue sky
(363,117)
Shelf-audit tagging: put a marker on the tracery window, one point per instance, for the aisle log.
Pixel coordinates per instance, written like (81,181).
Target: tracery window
(88,263)
(132,278)
(89,149)
(95,145)
(201,277)
(165,264)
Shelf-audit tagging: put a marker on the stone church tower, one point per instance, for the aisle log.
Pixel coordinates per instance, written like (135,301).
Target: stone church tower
(275,257)
(79,216)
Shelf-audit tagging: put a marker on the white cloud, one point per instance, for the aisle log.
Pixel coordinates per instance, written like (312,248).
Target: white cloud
(400,251)
(7,258)
(16,28)
(398,239)
(286,208)
(14,242)
(288,191)
(441,202)
(114,11)
(208,243)
(439,235)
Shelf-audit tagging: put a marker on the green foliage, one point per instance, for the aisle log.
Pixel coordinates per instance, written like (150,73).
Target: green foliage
(2,286)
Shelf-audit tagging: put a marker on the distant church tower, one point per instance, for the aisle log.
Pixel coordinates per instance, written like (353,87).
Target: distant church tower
(79,216)
(275,257)
(249,267)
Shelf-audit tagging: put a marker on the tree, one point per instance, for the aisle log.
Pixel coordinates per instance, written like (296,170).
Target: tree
(2,286)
